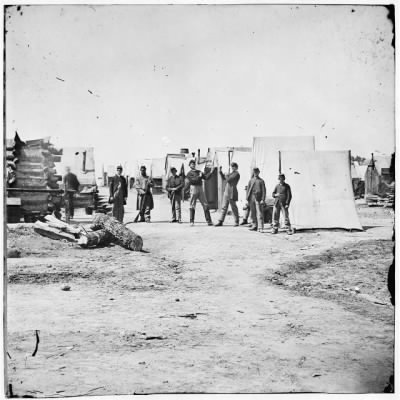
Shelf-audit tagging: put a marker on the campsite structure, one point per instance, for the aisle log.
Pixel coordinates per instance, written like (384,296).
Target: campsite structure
(39,165)
(322,189)
(379,184)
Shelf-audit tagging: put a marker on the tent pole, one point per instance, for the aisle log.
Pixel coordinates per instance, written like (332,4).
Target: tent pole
(280,165)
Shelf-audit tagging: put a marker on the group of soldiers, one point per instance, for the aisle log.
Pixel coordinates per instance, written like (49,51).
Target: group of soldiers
(193,182)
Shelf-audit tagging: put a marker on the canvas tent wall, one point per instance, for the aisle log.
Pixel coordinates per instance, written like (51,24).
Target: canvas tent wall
(321,188)
(81,162)
(266,154)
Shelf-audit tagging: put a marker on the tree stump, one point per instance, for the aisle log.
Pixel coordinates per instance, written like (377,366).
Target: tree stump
(100,237)
(122,235)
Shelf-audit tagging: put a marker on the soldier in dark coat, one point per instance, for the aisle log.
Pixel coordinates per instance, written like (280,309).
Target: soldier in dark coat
(283,196)
(71,186)
(118,194)
(255,196)
(144,203)
(174,189)
(230,194)
(195,179)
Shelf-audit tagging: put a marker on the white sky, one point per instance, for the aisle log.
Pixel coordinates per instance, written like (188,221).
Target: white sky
(167,77)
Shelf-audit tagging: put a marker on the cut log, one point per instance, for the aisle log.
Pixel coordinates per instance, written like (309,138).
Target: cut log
(52,233)
(97,238)
(123,236)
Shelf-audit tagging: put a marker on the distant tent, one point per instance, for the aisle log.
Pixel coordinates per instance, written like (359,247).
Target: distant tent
(81,162)
(378,178)
(266,154)
(322,189)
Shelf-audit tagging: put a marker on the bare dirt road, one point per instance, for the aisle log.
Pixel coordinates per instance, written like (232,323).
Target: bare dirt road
(215,310)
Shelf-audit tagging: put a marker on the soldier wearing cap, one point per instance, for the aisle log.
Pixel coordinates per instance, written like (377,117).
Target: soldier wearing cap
(283,196)
(118,194)
(174,189)
(195,179)
(71,186)
(144,203)
(255,196)
(230,194)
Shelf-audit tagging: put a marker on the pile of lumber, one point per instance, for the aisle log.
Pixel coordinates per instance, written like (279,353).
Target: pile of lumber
(36,177)
(103,231)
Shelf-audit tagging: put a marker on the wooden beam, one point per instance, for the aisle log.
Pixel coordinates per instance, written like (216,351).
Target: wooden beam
(52,233)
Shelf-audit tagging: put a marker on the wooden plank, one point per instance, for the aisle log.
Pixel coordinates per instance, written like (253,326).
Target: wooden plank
(31,182)
(56,223)
(13,201)
(39,190)
(30,164)
(52,233)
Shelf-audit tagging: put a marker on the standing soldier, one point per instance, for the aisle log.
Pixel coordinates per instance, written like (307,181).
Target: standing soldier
(144,201)
(174,189)
(282,195)
(256,193)
(195,180)
(118,194)
(71,186)
(230,194)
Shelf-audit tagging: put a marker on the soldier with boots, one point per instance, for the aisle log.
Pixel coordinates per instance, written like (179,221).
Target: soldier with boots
(230,194)
(283,196)
(144,203)
(174,189)
(256,193)
(195,179)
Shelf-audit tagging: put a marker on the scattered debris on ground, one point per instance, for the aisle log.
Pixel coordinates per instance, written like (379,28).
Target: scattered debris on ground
(105,230)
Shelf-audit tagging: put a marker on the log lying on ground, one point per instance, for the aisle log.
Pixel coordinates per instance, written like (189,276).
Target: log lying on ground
(95,238)
(122,235)
(52,233)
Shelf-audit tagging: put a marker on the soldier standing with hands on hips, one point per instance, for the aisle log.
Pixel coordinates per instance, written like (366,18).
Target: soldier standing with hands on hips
(283,196)
(144,203)
(174,189)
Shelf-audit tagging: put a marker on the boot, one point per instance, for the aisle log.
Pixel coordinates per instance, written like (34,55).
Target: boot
(244,222)
(219,223)
(208,217)
(192,212)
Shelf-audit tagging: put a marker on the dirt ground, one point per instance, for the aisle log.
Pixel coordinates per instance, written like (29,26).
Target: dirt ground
(205,309)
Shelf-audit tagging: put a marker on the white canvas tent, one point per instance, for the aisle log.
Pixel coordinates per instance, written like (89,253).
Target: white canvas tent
(322,189)
(81,162)
(154,166)
(266,155)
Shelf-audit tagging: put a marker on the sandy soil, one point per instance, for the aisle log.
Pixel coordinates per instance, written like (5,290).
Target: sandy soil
(204,310)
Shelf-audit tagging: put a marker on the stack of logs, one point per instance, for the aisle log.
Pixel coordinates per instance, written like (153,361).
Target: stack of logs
(36,177)
(103,231)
